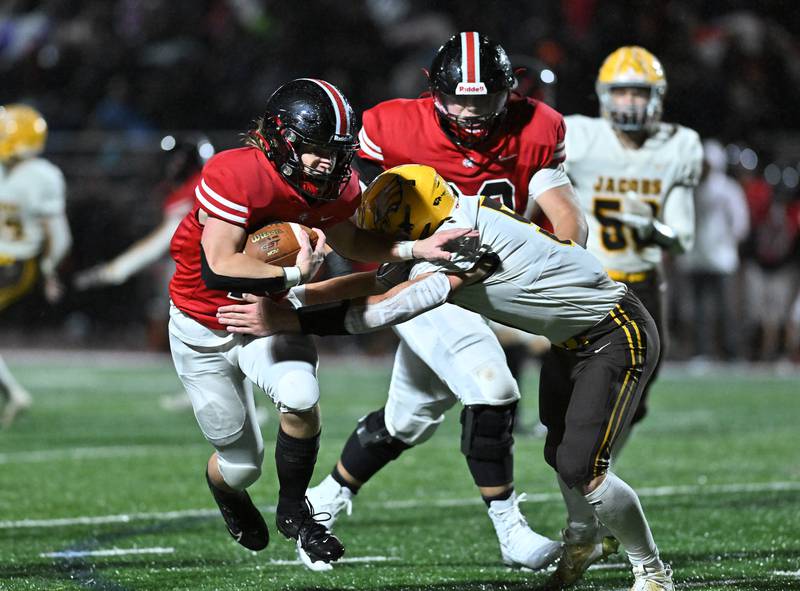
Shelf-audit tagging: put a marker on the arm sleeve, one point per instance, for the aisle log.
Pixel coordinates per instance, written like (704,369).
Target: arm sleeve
(59,240)
(239,284)
(220,196)
(349,317)
(678,211)
(679,215)
(411,301)
(692,163)
(51,189)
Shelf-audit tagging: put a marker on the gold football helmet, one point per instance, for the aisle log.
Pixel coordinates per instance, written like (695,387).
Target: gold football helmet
(631,67)
(406,202)
(23,132)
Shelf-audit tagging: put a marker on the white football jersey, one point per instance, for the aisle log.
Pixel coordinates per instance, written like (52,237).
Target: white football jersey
(661,173)
(543,285)
(29,191)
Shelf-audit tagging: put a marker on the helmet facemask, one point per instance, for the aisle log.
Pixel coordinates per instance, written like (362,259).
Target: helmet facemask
(471,80)
(632,118)
(323,183)
(484,113)
(309,117)
(632,67)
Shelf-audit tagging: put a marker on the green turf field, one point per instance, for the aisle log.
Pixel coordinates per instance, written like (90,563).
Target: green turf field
(101,489)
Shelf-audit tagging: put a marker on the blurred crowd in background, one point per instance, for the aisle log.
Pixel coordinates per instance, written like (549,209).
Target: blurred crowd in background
(113,77)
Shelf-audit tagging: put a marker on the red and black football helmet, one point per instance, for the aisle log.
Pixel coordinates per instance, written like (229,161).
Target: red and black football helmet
(471,71)
(309,115)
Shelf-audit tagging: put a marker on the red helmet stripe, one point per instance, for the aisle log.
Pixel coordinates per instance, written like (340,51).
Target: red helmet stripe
(338,102)
(470,64)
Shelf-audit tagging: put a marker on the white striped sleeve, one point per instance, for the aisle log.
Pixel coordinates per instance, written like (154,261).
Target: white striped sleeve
(218,206)
(560,153)
(369,148)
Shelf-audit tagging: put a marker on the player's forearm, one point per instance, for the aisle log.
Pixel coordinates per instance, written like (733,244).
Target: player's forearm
(241,273)
(345,287)
(357,245)
(562,208)
(142,253)
(400,304)
(59,240)
(572,227)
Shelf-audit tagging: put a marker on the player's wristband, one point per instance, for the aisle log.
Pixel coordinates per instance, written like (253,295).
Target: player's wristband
(324,319)
(405,249)
(292,276)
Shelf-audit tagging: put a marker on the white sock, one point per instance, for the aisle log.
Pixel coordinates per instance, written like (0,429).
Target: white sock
(581,519)
(331,487)
(505,503)
(7,381)
(618,507)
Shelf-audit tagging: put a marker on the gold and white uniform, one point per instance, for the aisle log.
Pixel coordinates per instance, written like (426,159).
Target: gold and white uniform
(661,173)
(31,193)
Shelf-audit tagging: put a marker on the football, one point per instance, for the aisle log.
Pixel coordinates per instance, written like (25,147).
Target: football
(278,243)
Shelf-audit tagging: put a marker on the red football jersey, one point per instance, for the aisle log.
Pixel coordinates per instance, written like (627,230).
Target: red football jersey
(407,131)
(180,200)
(242,187)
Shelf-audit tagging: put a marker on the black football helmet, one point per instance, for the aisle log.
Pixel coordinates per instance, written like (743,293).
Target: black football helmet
(309,116)
(471,73)
(185,156)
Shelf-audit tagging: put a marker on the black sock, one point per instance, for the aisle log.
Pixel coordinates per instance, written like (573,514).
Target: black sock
(337,476)
(294,460)
(503,496)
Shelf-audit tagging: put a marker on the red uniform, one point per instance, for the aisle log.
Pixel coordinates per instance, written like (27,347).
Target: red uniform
(407,131)
(242,187)
(180,200)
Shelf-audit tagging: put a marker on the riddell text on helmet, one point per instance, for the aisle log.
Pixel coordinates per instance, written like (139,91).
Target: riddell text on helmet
(471,88)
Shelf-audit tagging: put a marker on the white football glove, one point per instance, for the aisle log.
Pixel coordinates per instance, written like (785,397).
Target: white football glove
(96,276)
(636,214)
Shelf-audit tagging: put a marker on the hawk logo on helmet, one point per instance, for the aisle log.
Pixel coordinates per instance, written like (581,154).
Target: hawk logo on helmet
(410,201)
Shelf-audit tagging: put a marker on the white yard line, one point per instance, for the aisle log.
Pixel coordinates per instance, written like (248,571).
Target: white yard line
(109,552)
(92,453)
(787,573)
(352,559)
(706,582)
(661,491)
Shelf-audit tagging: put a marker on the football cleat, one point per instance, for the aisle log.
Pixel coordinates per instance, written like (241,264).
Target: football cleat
(652,579)
(331,498)
(242,518)
(315,542)
(520,546)
(18,401)
(577,558)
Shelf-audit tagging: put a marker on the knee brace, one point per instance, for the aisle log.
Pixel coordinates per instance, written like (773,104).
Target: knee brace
(487,442)
(372,432)
(486,431)
(296,387)
(370,447)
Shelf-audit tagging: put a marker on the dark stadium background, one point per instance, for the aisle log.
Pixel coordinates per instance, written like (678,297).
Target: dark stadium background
(112,77)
